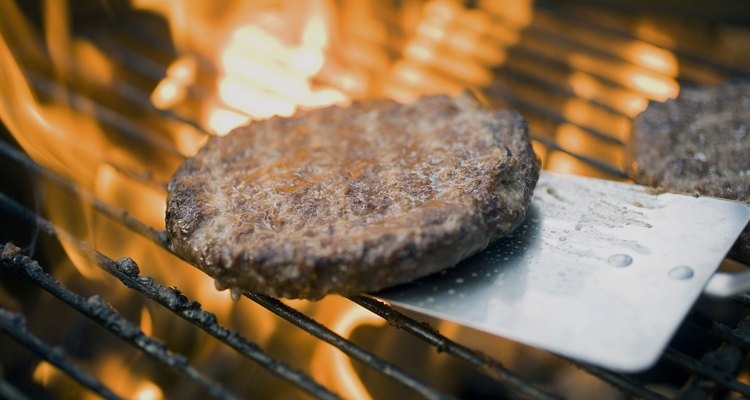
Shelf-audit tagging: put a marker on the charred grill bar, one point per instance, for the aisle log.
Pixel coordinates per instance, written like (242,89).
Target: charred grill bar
(716,371)
(14,325)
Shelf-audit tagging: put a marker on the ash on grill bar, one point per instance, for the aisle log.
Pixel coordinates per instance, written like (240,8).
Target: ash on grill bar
(101,100)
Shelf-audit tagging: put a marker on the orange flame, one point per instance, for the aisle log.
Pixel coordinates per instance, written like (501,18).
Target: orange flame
(651,77)
(330,366)
(35,126)
(147,324)
(44,373)
(266,66)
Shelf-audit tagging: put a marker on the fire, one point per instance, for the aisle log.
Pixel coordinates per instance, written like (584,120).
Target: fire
(651,76)
(330,366)
(434,61)
(147,391)
(45,373)
(147,324)
(652,57)
(624,101)
(265,63)
(50,123)
(173,88)
(123,379)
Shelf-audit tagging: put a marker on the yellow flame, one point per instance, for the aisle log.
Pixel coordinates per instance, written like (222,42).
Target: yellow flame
(652,57)
(333,368)
(267,59)
(44,373)
(454,48)
(174,87)
(624,101)
(142,201)
(147,391)
(647,83)
(147,324)
(35,126)
(121,378)
(652,86)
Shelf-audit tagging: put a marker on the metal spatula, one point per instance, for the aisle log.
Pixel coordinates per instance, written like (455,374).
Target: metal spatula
(602,272)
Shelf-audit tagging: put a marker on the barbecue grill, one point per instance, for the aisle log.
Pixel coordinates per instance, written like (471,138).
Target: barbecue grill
(578,73)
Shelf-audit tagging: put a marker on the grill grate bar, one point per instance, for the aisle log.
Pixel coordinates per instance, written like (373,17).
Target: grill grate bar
(598,26)
(743,299)
(38,72)
(10,392)
(620,381)
(483,363)
(565,90)
(128,273)
(739,336)
(528,53)
(135,61)
(127,127)
(117,214)
(98,310)
(725,359)
(694,366)
(547,113)
(14,325)
(487,365)
(321,332)
(137,64)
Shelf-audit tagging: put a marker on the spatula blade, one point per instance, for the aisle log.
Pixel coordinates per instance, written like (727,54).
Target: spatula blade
(600,271)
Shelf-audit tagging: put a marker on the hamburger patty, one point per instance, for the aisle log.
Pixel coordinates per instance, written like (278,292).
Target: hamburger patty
(698,143)
(351,200)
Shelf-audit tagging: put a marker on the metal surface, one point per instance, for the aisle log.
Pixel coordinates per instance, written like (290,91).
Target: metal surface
(602,272)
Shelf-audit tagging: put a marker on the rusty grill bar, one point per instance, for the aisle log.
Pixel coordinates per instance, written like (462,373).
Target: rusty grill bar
(715,371)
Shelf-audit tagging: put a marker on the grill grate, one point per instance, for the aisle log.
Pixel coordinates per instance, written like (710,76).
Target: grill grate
(516,85)
(14,325)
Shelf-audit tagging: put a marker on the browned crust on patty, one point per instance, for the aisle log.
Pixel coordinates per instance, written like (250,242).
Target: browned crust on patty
(698,143)
(351,200)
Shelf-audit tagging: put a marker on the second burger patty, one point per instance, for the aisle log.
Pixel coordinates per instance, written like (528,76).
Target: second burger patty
(698,143)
